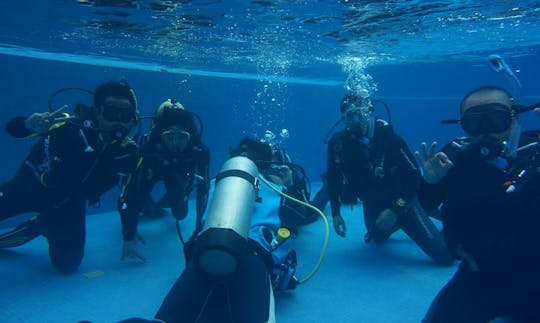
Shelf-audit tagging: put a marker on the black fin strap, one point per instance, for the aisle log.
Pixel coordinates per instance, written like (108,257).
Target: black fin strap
(239,173)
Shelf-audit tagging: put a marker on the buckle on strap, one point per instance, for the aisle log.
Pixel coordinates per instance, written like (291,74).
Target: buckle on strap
(242,174)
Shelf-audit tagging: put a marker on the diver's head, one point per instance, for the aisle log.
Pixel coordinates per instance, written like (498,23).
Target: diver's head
(271,165)
(279,156)
(259,152)
(487,111)
(357,113)
(173,125)
(280,169)
(116,109)
(487,118)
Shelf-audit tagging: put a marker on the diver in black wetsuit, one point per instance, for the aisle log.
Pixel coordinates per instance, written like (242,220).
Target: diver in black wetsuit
(171,152)
(76,159)
(292,215)
(368,161)
(490,212)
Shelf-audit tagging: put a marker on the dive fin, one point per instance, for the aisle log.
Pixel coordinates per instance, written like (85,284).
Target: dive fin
(22,234)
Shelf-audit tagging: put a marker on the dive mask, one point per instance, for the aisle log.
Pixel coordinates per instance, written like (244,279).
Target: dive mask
(357,118)
(486,118)
(118,111)
(116,119)
(175,139)
(279,174)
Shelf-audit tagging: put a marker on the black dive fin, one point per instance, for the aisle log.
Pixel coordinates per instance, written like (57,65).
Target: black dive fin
(22,234)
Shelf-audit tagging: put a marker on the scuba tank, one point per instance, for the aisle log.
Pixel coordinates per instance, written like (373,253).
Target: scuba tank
(223,239)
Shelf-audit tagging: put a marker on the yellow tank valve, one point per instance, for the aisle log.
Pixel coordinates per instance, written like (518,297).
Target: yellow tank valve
(282,235)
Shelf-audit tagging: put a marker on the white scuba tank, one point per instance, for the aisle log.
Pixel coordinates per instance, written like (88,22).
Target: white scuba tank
(225,232)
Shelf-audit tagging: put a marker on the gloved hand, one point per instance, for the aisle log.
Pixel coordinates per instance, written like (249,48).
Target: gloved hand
(434,165)
(339,225)
(130,249)
(41,122)
(386,220)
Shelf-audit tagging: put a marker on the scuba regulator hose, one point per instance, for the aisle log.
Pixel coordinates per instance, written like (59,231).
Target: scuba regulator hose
(179,232)
(325,220)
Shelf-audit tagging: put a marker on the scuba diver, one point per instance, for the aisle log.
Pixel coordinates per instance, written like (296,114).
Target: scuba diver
(76,159)
(368,161)
(295,182)
(241,256)
(487,190)
(171,152)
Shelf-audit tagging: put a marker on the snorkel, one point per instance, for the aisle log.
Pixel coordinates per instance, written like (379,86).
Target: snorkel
(498,64)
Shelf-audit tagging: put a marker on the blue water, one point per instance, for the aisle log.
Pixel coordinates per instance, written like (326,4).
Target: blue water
(246,68)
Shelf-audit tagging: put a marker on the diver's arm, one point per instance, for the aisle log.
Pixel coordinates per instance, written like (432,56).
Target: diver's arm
(117,171)
(36,123)
(203,185)
(333,180)
(433,188)
(131,201)
(67,160)
(16,128)
(407,179)
(431,196)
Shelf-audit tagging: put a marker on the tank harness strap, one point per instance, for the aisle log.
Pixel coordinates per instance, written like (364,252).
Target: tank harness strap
(239,173)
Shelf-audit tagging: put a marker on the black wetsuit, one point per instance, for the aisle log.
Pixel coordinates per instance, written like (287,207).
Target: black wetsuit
(198,297)
(68,166)
(179,172)
(383,174)
(492,228)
